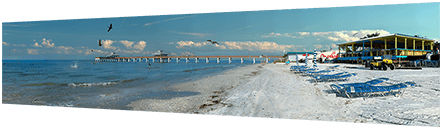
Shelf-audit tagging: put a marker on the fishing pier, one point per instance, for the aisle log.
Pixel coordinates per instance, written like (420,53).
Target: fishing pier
(178,58)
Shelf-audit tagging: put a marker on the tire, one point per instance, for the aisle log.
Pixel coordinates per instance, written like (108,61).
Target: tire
(371,67)
(384,67)
(392,67)
(366,64)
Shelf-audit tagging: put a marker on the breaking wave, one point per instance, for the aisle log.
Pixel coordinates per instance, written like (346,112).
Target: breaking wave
(91,84)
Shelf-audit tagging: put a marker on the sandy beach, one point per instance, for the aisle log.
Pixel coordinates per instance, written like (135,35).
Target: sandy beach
(273,91)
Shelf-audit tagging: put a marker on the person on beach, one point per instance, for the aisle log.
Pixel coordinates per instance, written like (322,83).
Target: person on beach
(436,51)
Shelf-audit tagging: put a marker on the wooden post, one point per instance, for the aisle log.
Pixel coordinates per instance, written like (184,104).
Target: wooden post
(371,47)
(406,43)
(414,44)
(423,45)
(432,43)
(395,44)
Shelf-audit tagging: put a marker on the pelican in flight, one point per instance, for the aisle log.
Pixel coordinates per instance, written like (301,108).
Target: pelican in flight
(109,28)
(213,42)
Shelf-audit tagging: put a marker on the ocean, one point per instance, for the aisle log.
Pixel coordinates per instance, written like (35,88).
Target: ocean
(107,85)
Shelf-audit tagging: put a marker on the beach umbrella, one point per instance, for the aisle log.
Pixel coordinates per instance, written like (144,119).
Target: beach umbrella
(314,59)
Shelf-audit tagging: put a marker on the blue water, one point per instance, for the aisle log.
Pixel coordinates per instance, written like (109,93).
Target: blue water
(112,85)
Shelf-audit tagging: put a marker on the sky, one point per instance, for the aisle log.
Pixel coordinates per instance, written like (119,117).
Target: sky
(268,32)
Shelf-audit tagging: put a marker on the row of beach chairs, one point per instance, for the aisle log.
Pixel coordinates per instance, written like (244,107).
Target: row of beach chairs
(322,75)
(370,87)
(375,86)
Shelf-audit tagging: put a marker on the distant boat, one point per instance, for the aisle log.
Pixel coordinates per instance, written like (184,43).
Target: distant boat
(160,53)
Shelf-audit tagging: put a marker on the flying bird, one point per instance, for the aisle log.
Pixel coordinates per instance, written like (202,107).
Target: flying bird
(100,42)
(109,28)
(91,50)
(213,42)
(355,34)
(149,64)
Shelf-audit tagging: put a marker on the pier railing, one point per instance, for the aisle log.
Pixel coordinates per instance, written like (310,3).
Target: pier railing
(177,58)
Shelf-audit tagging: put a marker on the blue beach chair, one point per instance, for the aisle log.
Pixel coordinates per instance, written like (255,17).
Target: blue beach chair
(368,90)
(333,67)
(338,87)
(334,77)
(318,72)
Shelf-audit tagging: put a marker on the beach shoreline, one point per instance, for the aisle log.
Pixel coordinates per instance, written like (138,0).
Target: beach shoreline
(211,89)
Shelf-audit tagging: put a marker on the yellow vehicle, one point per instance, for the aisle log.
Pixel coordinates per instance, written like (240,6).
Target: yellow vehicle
(382,63)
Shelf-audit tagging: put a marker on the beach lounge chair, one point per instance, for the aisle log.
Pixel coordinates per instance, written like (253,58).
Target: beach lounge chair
(333,67)
(339,87)
(368,90)
(302,70)
(314,76)
(333,77)
(317,72)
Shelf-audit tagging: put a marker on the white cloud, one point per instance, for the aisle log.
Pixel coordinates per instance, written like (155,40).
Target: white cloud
(318,46)
(37,45)
(88,51)
(15,50)
(107,44)
(45,43)
(131,51)
(194,34)
(32,51)
(186,53)
(280,35)
(140,45)
(65,49)
(251,46)
(333,38)
(4,43)
(182,44)
(348,35)
(22,45)
(245,27)
(304,33)
(147,24)
(127,44)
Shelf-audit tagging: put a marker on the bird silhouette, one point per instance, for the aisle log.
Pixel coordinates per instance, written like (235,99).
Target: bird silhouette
(91,50)
(149,64)
(109,28)
(213,42)
(355,34)
(99,42)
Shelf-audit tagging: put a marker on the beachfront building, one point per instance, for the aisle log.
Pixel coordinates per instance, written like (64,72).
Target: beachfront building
(398,46)
(291,56)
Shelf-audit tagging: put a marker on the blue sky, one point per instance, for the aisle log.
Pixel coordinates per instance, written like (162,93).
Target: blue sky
(238,33)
